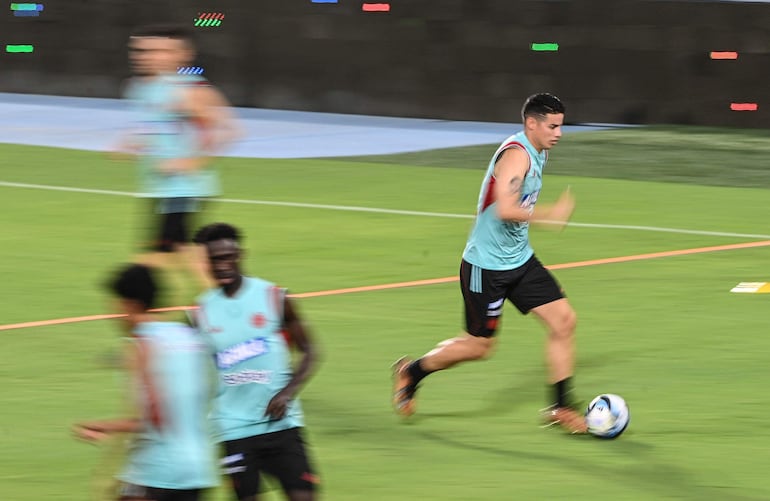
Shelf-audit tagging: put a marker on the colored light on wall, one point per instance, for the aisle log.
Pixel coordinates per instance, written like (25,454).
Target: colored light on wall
(723,55)
(26,9)
(376,7)
(27,6)
(209,19)
(545,47)
(190,70)
(324,1)
(744,106)
(19,48)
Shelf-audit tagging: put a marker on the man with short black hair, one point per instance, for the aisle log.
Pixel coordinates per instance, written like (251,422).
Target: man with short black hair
(250,325)
(499,263)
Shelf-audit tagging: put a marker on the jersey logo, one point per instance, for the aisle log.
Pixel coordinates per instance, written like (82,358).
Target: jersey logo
(258,320)
(529,200)
(242,352)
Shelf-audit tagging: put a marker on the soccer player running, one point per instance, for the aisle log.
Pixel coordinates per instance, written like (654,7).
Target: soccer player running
(499,263)
(172,458)
(183,122)
(250,325)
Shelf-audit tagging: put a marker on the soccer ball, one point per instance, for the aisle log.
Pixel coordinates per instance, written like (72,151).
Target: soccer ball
(607,416)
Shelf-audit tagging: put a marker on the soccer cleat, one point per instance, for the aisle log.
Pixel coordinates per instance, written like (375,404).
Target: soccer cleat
(403,391)
(566,417)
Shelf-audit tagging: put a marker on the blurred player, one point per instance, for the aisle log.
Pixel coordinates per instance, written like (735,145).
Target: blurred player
(499,263)
(256,413)
(183,121)
(172,458)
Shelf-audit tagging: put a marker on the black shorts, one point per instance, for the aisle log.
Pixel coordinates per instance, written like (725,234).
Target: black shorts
(281,454)
(172,222)
(485,291)
(131,491)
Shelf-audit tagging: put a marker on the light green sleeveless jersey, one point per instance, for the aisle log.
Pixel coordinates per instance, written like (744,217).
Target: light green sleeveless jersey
(500,245)
(252,358)
(180,453)
(167,134)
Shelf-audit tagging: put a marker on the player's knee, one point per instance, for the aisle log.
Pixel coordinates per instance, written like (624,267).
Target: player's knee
(565,325)
(479,348)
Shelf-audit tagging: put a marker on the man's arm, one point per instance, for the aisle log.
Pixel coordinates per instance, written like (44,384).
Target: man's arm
(300,338)
(510,170)
(99,429)
(209,111)
(94,431)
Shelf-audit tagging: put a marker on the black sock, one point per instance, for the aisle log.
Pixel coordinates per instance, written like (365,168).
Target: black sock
(560,392)
(416,372)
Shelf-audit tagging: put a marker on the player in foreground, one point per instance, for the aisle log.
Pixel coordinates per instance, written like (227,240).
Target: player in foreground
(172,457)
(249,324)
(183,122)
(499,263)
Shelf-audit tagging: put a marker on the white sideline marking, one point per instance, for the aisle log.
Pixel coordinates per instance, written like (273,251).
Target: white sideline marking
(351,208)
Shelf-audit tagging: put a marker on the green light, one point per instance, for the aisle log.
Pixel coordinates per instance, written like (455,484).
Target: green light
(23,6)
(19,48)
(545,47)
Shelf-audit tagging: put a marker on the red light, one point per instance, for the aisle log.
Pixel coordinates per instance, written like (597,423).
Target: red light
(376,7)
(744,106)
(724,55)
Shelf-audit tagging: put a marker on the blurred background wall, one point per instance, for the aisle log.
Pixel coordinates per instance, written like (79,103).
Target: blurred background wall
(643,61)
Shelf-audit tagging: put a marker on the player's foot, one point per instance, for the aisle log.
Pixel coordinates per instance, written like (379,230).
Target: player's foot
(566,417)
(403,390)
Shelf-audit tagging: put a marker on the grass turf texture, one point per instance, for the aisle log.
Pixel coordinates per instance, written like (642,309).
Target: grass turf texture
(688,356)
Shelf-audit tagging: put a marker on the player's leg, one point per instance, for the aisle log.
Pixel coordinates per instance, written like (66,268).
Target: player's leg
(196,262)
(286,458)
(155,246)
(539,292)
(484,295)
(560,321)
(241,464)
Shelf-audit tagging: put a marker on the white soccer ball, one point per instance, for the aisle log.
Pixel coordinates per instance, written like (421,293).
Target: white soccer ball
(607,416)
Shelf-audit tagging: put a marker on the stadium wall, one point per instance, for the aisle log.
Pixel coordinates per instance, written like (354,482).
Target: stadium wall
(643,61)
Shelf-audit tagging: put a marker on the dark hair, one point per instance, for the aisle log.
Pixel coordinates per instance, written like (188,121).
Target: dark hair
(135,282)
(540,105)
(173,31)
(217,231)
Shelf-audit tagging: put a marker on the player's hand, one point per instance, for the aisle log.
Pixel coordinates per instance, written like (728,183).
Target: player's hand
(563,208)
(89,432)
(278,405)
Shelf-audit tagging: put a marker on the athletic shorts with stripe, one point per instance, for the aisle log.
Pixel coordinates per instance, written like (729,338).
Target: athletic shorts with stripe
(485,291)
(281,454)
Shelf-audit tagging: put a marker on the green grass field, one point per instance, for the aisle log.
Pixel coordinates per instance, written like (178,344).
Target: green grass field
(689,357)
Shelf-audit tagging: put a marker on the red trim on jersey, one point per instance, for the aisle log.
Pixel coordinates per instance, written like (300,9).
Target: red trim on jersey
(489,197)
(277,298)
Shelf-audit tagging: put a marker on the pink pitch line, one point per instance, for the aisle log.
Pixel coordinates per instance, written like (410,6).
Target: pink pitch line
(432,281)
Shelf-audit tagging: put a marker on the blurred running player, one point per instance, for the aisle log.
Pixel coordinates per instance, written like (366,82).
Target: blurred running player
(172,457)
(182,122)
